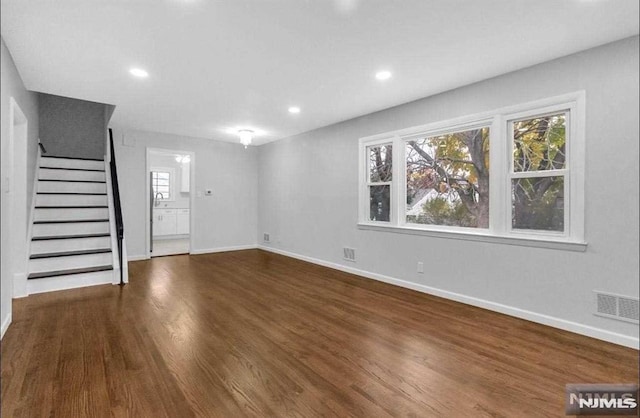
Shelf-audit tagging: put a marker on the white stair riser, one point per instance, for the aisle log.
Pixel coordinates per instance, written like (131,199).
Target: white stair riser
(70,200)
(58,245)
(47,230)
(71,281)
(71,175)
(57,186)
(71,262)
(70,163)
(70,214)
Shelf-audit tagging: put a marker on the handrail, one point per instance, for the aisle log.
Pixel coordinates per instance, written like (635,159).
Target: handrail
(116,202)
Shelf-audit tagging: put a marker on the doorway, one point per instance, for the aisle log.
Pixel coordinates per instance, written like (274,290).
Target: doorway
(169,178)
(15,222)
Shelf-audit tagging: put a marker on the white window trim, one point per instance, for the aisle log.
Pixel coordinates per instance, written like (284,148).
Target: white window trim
(172,182)
(500,230)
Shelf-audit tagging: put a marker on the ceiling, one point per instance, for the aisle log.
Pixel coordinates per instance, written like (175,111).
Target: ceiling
(216,65)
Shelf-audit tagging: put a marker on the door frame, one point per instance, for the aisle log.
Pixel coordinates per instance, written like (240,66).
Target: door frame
(17,194)
(147,187)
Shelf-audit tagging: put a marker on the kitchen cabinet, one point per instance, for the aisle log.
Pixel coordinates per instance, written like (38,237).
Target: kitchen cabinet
(170,222)
(182,224)
(184,179)
(164,222)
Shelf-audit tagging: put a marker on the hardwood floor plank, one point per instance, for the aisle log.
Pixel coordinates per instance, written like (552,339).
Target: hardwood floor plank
(255,334)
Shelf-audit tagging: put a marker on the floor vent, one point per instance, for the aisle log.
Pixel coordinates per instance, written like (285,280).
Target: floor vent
(618,307)
(349,254)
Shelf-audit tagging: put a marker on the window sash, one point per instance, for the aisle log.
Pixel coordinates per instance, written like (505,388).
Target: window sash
(163,182)
(451,129)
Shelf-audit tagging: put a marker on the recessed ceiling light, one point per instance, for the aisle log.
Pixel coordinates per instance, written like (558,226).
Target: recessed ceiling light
(294,109)
(383,75)
(138,72)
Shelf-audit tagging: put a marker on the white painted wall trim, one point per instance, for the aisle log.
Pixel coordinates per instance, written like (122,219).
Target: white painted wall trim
(137,257)
(574,327)
(225,249)
(20,292)
(5,325)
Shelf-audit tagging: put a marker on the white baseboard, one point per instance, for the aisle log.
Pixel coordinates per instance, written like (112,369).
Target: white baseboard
(224,249)
(554,322)
(136,257)
(5,325)
(202,251)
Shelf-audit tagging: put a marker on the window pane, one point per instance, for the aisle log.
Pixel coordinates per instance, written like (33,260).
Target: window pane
(380,163)
(163,175)
(379,203)
(539,143)
(448,179)
(538,203)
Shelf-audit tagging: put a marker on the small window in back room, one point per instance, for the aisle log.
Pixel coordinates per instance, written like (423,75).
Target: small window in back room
(162,185)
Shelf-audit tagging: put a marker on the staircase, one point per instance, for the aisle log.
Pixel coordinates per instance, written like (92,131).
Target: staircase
(71,236)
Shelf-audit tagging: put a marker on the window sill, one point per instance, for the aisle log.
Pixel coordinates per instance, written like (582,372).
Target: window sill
(528,241)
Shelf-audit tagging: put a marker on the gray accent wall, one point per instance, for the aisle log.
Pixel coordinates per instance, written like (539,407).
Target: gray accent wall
(308,198)
(73,128)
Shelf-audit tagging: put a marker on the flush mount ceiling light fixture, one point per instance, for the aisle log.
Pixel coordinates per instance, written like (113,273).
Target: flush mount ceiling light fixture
(138,72)
(294,109)
(246,135)
(383,75)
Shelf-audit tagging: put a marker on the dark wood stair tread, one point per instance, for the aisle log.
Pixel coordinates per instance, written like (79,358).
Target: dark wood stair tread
(72,181)
(73,221)
(72,207)
(73,158)
(72,169)
(70,253)
(73,193)
(50,237)
(57,273)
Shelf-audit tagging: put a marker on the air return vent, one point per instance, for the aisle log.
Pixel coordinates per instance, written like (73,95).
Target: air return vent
(618,307)
(349,254)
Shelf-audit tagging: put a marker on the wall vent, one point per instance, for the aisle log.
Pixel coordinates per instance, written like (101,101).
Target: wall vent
(349,254)
(266,237)
(618,307)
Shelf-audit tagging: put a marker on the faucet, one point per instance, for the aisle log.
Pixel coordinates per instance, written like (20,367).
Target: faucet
(156,202)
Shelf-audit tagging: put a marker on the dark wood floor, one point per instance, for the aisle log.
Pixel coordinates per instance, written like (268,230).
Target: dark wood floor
(255,334)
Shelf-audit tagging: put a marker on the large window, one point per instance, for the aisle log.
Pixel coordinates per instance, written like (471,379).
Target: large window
(514,173)
(448,179)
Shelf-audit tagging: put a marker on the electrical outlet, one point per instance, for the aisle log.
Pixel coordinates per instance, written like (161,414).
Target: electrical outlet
(266,237)
(420,267)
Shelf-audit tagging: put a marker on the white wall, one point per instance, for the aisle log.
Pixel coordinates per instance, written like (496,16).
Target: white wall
(226,219)
(308,193)
(12,86)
